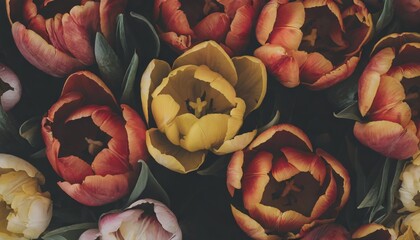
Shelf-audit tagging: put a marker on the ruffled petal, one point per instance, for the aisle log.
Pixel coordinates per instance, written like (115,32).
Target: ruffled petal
(234,172)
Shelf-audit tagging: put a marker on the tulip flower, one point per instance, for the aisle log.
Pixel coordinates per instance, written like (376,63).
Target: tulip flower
(388,97)
(316,43)
(199,105)
(25,211)
(13,88)
(374,231)
(328,232)
(183,24)
(413,221)
(285,187)
(144,219)
(410,188)
(57,36)
(92,142)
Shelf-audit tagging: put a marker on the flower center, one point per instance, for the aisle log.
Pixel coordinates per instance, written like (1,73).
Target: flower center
(94,146)
(311,37)
(198,106)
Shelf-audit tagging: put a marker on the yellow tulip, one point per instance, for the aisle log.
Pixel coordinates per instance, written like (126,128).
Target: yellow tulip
(25,211)
(199,104)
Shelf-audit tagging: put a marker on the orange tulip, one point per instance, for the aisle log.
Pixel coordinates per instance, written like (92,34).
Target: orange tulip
(183,24)
(389,97)
(286,188)
(93,143)
(57,36)
(316,43)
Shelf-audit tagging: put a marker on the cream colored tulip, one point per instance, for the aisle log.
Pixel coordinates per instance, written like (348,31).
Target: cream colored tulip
(25,211)
(413,221)
(410,188)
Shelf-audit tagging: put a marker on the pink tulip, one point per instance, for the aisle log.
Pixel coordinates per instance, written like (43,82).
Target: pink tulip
(57,36)
(12,96)
(144,219)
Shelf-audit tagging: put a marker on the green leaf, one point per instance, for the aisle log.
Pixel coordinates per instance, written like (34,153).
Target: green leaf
(128,86)
(4,87)
(218,168)
(386,16)
(146,36)
(147,186)
(351,112)
(272,122)
(10,140)
(69,232)
(125,45)
(108,62)
(31,131)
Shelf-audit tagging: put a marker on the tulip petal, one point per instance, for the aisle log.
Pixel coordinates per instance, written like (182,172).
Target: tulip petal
(231,7)
(41,54)
(283,170)
(266,21)
(251,227)
(252,81)
(234,172)
(211,55)
(136,135)
(151,78)
(389,93)
(213,27)
(255,179)
(97,190)
(368,229)
(379,64)
(280,63)
(171,156)
(55,33)
(339,169)
(236,119)
(282,135)
(209,131)
(387,138)
(336,75)
(108,11)
(275,220)
(78,35)
(91,87)
(164,110)
(326,200)
(73,169)
(286,31)
(235,144)
(173,18)
(315,67)
(399,113)
(396,40)
(237,38)
(8,161)
(306,162)
(177,41)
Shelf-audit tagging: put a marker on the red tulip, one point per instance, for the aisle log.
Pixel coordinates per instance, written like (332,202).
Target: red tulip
(389,97)
(183,24)
(93,143)
(57,36)
(286,188)
(316,43)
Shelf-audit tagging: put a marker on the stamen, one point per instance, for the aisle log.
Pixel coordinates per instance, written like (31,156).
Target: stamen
(198,106)
(94,146)
(311,37)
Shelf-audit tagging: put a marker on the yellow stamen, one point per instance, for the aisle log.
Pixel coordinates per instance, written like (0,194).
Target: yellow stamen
(94,146)
(198,106)
(311,37)
(290,186)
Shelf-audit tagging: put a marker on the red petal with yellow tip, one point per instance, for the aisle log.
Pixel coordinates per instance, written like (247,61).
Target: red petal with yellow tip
(136,133)
(98,190)
(379,64)
(238,37)
(73,169)
(213,27)
(266,21)
(255,179)
(315,67)
(283,170)
(388,138)
(234,172)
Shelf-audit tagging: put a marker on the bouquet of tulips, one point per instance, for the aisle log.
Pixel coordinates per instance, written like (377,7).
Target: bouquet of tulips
(210,119)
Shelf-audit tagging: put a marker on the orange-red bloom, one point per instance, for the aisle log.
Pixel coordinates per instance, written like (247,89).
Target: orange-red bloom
(183,24)
(92,142)
(57,36)
(316,43)
(286,188)
(389,97)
